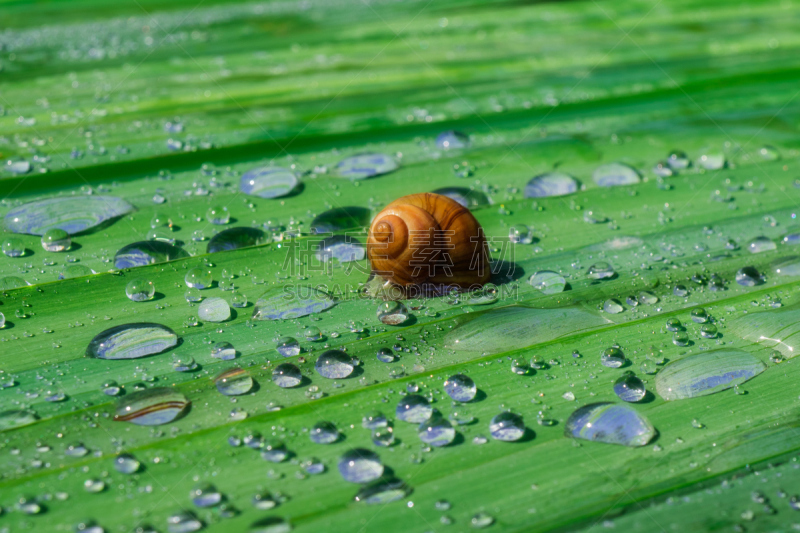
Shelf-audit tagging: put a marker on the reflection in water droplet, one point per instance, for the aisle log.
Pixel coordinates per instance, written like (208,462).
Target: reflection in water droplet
(268,182)
(461,388)
(507,426)
(382,492)
(466,197)
(548,282)
(706,373)
(272,524)
(151,407)
(72,214)
(761,244)
(392,313)
(223,351)
(131,341)
(287,375)
(15,418)
(144,253)
(360,465)
(334,364)
(450,140)
(288,346)
(291,302)
(324,433)
(481,520)
(414,409)
(612,358)
(629,388)
(126,463)
(198,278)
(75,271)
(205,495)
(236,238)
(343,248)
(140,290)
(341,218)
(601,270)
(749,277)
(214,310)
(610,423)
(436,431)
(56,240)
(12,282)
(234,382)
(613,174)
(183,522)
(551,184)
(362,166)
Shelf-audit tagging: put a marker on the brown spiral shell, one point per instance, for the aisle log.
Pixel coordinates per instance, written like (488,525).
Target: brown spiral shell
(428,238)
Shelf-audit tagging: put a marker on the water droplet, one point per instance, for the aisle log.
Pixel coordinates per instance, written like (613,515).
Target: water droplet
(343,248)
(218,215)
(452,140)
(273,451)
(436,431)
(678,160)
(414,409)
(712,161)
(700,315)
(140,290)
(520,234)
(709,331)
(629,388)
(183,522)
(383,436)
(761,244)
(268,182)
(223,351)
(392,313)
(291,302)
(234,382)
(144,253)
(612,306)
(464,196)
(131,341)
(13,247)
(749,277)
(15,418)
(610,423)
(236,238)
(362,166)
(601,270)
(460,388)
(56,240)
(706,373)
(324,433)
(334,364)
(612,358)
(613,174)
(214,310)
(198,278)
(271,524)
(72,214)
(548,282)
(481,520)
(75,271)
(382,492)
(360,465)
(126,463)
(288,347)
(12,282)
(286,375)
(341,218)
(205,495)
(151,407)
(507,426)
(551,184)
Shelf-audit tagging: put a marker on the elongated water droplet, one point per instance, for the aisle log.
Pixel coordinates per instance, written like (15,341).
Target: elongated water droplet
(71,214)
(268,182)
(452,140)
(343,248)
(144,253)
(183,522)
(362,166)
(271,524)
(151,407)
(205,495)
(382,492)
(610,423)
(131,341)
(236,238)
(614,174)
(761,244)
(126,463)
(551,184)
(291,302)
(467,197)
(16,418)
(548,282)
(706,373)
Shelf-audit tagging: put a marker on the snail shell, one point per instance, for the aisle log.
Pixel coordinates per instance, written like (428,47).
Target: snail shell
(428,238)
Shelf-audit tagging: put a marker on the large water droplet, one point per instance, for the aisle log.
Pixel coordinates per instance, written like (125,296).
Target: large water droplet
(551,184)
(507,426)
(706,373)
(214,310)
(749,277)
(461,388)
(414,409)
(360,465)
(613,174)
(291,302)
(286,375)
(126,463)
(761,244)
(324,433)
(12,282)
(183,522)
(268,182)
(436,431)
(72,214)
(151,407)
(56,240)
(779,329)
(362,166)
(334,364)
(610,423)
(341,218)
(548,282)
(16,418)
(147,253)
(131,341)
(514,327)
(234,382)
(629,388)
(235,238)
